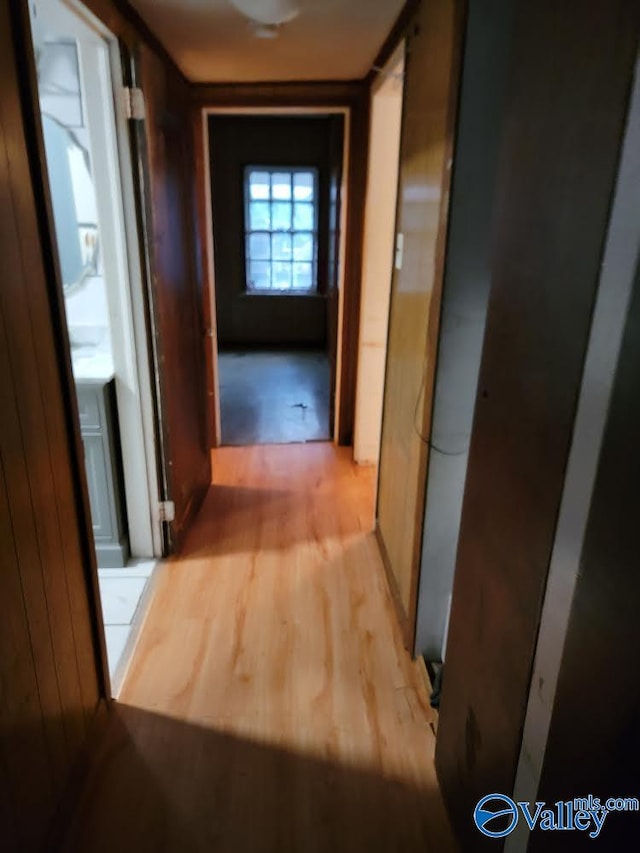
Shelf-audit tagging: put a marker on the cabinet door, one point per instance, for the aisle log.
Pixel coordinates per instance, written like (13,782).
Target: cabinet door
(97,478)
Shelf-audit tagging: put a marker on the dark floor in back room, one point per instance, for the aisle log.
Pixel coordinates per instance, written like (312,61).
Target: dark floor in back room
(274,397)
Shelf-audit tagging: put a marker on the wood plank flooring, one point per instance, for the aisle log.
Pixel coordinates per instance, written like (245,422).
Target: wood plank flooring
(270,705)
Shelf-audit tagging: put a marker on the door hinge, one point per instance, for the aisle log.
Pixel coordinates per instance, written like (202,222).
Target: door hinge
(134,103)
(166,511)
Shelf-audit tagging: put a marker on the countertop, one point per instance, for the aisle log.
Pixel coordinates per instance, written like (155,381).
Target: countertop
(92,364)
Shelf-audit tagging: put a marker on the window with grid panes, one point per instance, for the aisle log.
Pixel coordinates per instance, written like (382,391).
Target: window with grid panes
(281,229)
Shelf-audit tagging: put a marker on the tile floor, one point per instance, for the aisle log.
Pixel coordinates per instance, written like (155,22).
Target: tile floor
(125,595)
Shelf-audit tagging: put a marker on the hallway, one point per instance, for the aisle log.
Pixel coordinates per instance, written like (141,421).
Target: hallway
(270,705)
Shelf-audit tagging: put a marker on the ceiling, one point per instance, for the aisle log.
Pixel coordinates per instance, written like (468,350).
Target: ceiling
(211,42)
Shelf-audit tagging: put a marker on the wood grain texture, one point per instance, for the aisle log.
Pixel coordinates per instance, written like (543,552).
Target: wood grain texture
(270,704)
(566,112)
(433,52)
(51,679)
(166,149)
(206,265)
(354,247)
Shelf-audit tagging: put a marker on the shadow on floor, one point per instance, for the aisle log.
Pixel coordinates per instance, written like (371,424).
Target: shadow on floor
(237,518)
(160,784)
(233,517)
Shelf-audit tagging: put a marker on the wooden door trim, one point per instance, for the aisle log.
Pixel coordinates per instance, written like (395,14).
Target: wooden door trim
(394,590)
(209,318)
(165,157)
(392,42)
(144,215)
(351,235)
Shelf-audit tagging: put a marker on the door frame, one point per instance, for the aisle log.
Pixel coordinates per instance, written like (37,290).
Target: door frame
(443,95)
(393,69)
(128,313)
(206,209)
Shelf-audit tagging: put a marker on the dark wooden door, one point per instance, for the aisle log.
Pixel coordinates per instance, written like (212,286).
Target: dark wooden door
(165,152)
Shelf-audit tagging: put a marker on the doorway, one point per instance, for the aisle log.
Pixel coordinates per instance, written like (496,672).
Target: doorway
(77,68)
(275,185)
(379,247)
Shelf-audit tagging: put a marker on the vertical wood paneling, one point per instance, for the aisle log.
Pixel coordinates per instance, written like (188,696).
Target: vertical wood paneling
(177,285)
(14,443)
(433,48)
(50,681)
(354,238)
(206,262)
(44,536)
(7,806)
(23,737)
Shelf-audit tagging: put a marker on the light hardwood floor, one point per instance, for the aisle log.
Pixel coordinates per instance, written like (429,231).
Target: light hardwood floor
(270,705)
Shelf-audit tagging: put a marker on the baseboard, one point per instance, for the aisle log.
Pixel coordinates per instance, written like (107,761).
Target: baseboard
(423,673)
(403,622)
(181,530)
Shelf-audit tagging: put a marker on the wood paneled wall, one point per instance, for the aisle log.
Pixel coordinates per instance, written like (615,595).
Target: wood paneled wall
(354,96)
(53,676)
(565,117)
(177,280)
(51,660)
(431,75)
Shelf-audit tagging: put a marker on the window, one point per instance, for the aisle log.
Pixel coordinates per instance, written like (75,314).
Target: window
(281,230)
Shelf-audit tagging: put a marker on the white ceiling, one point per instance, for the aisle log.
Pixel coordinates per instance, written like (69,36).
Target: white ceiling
(329,40)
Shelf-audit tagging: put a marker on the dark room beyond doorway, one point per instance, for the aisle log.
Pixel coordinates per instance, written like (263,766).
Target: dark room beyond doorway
(275,192)
(274,396)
